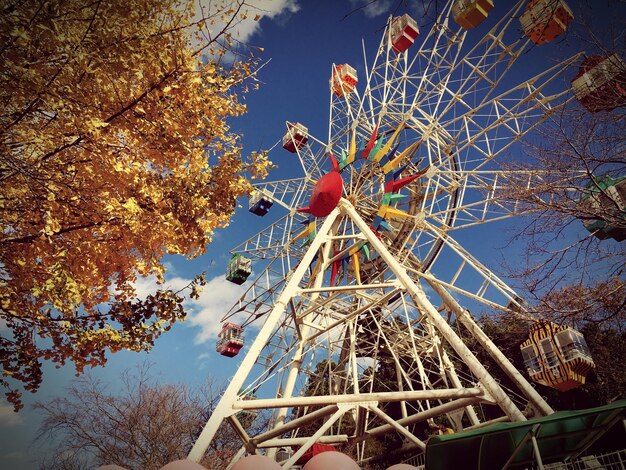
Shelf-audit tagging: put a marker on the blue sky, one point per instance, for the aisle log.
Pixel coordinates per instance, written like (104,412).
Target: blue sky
(301,39)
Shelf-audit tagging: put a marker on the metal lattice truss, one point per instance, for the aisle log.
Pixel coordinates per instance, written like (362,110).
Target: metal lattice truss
(363,332)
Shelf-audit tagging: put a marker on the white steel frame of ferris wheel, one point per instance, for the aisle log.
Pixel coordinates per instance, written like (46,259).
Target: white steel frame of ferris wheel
(489,390)
(347,114)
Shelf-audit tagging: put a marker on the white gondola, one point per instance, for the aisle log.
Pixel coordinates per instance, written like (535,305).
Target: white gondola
(230,340)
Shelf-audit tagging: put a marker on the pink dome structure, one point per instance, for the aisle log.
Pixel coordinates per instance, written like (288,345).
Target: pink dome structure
(328,460)
(183,465)
(256,462)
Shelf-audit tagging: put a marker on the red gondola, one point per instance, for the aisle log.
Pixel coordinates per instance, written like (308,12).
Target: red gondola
(403,32)
(544,20)
(600,84)
(313,451)
(230,340)
(296,136)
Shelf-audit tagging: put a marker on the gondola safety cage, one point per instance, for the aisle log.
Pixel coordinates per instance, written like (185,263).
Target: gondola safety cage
(239,268)
(259,203)
(600,84)
(607,196)
(403,32)
(470,13)
(343,79)
(296,137)
(544,20)
(247,416)
(556,356)
(230,340)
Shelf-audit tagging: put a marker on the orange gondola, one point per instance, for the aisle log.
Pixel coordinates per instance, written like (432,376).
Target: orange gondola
(556,356)
(343,79)
(470,13)
(545,20)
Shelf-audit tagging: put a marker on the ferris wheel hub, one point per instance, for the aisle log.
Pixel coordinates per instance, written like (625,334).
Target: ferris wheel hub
(325,195)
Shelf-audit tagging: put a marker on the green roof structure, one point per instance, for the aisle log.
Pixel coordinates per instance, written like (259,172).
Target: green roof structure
(560,437)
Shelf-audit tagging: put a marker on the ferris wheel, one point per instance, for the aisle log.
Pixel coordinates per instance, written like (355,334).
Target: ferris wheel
(364,275)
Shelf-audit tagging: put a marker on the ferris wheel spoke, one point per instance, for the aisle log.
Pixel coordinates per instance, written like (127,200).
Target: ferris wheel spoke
(261,294)
(481,69)
(287,193)
(276,239)
(310,159)
(486,196)
(395,88)
(488,288)
(492,128)
(345,103)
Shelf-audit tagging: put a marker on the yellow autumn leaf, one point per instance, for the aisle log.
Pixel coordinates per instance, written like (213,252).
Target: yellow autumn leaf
(104,194)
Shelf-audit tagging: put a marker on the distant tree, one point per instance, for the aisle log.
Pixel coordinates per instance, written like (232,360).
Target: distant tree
(570,159)
(317,384)
(115,149)
(570,156)
(142,427)
(386,449)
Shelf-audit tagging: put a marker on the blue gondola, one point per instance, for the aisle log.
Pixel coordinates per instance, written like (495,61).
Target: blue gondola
(260,204)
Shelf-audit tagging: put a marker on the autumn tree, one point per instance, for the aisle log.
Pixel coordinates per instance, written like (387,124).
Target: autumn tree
(580,149)
(143,426)
(115,149)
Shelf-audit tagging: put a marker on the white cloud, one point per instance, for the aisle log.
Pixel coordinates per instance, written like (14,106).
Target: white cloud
(216,298)
(3,324)
(365,362)
(8,417)
(148,285)
(370,8)
(275,10)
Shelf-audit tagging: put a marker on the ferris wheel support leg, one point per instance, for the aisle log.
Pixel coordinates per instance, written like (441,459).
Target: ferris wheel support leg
(225,406)
(509,369)
(454,378)
(298,355)
(422,302)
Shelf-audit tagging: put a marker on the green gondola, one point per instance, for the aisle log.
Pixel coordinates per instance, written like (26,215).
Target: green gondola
(605,195)
(239,269)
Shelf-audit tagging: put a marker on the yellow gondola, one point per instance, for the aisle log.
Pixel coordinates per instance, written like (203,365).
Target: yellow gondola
(470,13)
(556,356)
(545,20)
